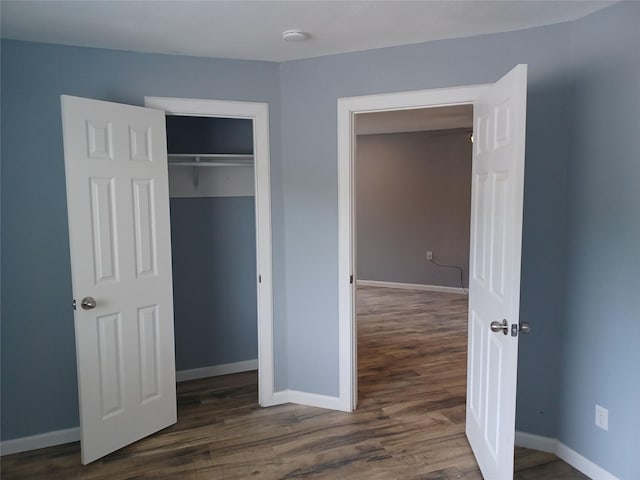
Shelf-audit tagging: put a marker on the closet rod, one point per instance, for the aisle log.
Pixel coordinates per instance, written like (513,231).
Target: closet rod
(230,156)
(211,160)
(211,164)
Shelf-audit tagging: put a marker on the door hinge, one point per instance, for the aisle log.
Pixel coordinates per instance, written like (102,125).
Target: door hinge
(74,304)
(259,278)
(514,329)
(351,279)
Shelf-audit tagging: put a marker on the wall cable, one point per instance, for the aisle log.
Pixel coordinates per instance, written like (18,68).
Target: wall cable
(460,269)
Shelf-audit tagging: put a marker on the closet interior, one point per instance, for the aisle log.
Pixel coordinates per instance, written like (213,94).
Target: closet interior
(213,237)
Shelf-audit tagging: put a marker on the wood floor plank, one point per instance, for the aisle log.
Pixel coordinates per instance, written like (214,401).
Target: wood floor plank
(409,423)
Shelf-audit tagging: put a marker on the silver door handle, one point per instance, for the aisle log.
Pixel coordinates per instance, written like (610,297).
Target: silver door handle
(503,327)
(524,327)
(87,303)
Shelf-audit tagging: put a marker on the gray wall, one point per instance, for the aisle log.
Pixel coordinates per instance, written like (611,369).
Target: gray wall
(39,387)
(601,343)
(413,194)
(213,248)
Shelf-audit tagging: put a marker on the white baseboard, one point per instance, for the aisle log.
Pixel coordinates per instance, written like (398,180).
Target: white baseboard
(43,440)
(583,464)
(411,286)
(315,400)
(216,370)
(276,398)
(573,458)
(308,399)
(536,442)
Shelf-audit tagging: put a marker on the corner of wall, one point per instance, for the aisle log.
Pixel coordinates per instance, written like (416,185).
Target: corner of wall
(602,211)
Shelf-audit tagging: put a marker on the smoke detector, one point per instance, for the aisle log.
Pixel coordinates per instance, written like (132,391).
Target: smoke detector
(294,35)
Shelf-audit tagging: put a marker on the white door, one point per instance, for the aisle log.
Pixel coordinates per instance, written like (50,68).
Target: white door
(496,237)
(118,205)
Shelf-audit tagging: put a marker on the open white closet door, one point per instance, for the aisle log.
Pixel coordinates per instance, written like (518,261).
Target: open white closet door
(494,300)
(118,205)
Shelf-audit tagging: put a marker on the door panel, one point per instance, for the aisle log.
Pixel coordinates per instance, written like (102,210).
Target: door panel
(118,205)
(476,351)
(144,229)
(103,223)
(149,353)
(494,291)
(110,364)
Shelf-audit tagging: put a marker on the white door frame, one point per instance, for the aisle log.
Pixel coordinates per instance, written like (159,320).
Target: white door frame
(347,109)
(259,114)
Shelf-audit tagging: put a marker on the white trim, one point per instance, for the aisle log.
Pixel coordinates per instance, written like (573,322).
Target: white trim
(347,109)
(316,400)
(583,464)
(259,114)
(217,370)
(43,440)
(412,286)
(573,458)
(535,442)
(310,400)
(278,398)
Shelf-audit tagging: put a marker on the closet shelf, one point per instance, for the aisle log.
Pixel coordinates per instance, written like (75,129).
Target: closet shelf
(210,160)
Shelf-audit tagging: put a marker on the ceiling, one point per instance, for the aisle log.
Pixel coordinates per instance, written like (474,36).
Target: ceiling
(252,29)
(415,120)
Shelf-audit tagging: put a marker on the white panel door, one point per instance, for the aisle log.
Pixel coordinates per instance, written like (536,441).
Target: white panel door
(118,205)
(494,293)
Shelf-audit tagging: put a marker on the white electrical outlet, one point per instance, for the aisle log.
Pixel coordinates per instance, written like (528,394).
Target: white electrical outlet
(429,255)
(602,417)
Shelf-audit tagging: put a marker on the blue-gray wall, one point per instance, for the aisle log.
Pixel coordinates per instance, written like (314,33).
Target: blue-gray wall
(213,248)
(39,388)
(601,343)
(309,92)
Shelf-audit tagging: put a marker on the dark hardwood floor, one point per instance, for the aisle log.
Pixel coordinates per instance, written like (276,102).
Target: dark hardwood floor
(409,423)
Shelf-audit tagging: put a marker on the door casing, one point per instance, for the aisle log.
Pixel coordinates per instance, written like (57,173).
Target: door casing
(348,107)
(258,113)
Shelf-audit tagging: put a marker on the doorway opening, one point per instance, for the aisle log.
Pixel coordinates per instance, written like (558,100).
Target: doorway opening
(412,177)
(213,239)
(495,241)
(348,111)
(219,187)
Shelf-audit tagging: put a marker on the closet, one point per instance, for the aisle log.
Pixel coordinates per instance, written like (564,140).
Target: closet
(213,240)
